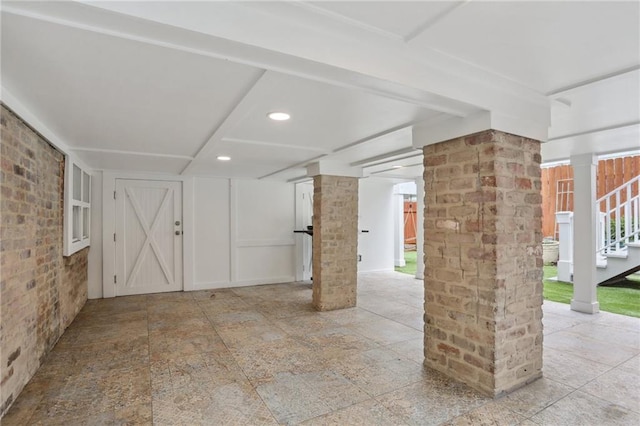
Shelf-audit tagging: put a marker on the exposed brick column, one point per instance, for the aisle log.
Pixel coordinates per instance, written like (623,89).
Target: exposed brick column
(483,246)
(335,242)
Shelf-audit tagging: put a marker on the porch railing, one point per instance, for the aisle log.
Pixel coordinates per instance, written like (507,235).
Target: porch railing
(620,216)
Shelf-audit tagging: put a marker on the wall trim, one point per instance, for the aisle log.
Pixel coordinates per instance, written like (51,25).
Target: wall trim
(220,285)
(264,243)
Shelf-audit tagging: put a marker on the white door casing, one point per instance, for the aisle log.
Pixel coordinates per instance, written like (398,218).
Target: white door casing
(148,236)
(304,218)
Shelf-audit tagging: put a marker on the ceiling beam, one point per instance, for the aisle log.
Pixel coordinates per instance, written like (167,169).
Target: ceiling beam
(294,166)
(597,130)
(375,136)
(387,155)
(582,84)
(395,160)
(242,106)
(130,27)
(122,152)
(276,145)
(430,23)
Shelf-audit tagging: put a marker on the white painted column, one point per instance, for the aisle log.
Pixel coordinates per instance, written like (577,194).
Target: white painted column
(420,228)
(585,217)
(565,238)
(398,233)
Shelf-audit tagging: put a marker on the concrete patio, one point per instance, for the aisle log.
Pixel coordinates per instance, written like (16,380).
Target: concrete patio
(262,355)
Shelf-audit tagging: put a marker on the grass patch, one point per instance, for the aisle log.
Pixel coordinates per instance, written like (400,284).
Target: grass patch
(620,298)
(410,260)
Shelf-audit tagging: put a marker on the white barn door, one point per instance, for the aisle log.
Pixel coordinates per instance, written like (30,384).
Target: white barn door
(148,236)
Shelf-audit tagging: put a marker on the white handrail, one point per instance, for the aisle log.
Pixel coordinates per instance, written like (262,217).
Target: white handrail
(617,240)
(624,185)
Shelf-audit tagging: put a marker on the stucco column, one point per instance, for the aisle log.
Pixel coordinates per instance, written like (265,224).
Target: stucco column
(585,219)
(483,271)
(335,242)
(420,228)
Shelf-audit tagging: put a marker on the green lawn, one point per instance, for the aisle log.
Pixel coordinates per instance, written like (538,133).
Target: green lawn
(410,260)
(622,298)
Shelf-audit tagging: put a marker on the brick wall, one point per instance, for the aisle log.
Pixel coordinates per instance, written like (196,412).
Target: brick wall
(483,270)
(335,242)
(40,291)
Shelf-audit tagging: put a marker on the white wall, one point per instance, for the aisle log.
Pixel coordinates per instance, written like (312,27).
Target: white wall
(375,211)
(262,240)
(242,232)
(211,240)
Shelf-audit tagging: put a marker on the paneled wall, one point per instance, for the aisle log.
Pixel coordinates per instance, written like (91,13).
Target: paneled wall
(244,232)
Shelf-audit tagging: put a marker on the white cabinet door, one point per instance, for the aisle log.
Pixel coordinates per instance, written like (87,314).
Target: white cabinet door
(148,236)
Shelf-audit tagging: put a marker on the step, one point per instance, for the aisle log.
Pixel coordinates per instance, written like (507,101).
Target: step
(617,264)
(622,254)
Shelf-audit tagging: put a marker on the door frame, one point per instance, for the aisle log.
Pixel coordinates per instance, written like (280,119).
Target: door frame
(109,226)
(303,242)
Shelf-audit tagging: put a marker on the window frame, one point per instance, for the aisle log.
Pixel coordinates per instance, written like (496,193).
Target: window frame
(76,225)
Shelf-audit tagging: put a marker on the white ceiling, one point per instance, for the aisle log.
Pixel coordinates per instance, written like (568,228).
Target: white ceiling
(167,87)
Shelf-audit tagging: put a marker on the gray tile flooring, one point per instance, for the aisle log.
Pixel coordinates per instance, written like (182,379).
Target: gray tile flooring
(262,355)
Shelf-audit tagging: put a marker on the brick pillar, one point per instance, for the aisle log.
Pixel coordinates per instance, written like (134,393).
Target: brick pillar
(483,246)
(335,242)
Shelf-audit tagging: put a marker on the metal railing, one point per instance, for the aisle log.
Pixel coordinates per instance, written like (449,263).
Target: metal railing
(621,218)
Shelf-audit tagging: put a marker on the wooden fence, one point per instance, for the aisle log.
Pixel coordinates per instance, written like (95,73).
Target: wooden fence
(557,186)
(410,218)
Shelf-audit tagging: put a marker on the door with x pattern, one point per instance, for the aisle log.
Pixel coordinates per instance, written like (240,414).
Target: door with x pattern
(148,236)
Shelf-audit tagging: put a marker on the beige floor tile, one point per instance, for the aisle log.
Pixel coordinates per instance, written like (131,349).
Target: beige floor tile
(570,369)
(621,337)
(236,317)
(378,371)
(589,348)
(263,361)
(618,386)
(178,321)
(194,373)
(248,334)
(198,358)
(229,404)
(490,414)
(177,344)
(293,398)
(93,398)
(581,409)
(385,331)
(632,365)
(532,398)
(366,413)
(432,401)
(412,349)
(355,315)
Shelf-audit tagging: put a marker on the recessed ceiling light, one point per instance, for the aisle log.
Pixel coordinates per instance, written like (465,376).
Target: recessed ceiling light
(397,167)
(279,116)
(223,158)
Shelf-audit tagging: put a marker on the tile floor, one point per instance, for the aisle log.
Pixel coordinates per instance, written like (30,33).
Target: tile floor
(262,356)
